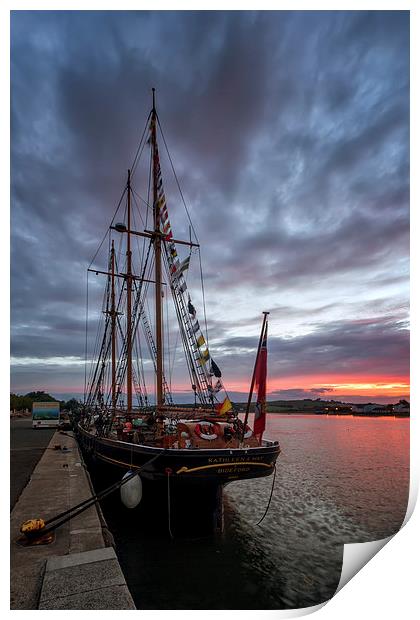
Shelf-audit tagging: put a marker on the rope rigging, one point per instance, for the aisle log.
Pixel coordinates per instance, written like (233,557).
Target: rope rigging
(98,386)
(53,523)
(127,416)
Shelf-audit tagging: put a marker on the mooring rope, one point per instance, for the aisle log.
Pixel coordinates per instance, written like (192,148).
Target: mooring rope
(58,520)
(168,473)
(271,495)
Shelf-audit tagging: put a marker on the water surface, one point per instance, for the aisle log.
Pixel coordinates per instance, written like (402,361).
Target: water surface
(339,479)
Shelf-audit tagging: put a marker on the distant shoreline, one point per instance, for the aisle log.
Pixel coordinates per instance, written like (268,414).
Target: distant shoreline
(21,414)
(342,415)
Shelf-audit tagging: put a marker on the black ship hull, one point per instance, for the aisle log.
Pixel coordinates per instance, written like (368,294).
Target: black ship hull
(185,466)
(182,489)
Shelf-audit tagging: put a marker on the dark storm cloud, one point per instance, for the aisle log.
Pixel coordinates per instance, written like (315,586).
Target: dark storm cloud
(379,346)
(299,393)
(289,133)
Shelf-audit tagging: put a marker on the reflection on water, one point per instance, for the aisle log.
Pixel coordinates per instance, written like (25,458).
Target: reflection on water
(339,480)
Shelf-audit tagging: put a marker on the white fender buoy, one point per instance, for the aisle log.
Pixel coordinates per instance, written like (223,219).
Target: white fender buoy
(131,491)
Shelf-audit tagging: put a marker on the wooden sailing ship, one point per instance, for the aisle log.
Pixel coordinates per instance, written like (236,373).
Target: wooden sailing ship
(207,444)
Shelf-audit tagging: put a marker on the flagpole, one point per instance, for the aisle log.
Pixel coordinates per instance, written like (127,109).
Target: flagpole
(253,376)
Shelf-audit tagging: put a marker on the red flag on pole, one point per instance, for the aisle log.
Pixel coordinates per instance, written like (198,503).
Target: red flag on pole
(261,387)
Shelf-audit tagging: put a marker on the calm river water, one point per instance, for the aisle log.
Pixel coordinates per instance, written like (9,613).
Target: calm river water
(339,480)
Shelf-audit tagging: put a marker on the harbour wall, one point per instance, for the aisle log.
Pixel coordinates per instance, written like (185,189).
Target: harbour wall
(79,569)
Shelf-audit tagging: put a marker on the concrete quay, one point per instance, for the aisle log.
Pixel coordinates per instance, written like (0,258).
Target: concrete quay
(79,569)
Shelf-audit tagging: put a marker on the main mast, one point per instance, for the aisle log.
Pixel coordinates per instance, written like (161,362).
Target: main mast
(158,263)
(129,295)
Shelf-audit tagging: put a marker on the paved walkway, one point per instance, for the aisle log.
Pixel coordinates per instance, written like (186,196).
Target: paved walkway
(26,448)
(78,570)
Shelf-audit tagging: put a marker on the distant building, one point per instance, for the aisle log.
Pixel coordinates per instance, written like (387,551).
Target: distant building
(381,410)
(337,408)
(402,407)
(363,407)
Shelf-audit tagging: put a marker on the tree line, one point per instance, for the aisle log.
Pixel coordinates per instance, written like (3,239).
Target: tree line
(20,403)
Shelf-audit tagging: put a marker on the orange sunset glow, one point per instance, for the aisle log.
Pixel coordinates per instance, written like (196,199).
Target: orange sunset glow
(336,386)
(357,386)
(385,388)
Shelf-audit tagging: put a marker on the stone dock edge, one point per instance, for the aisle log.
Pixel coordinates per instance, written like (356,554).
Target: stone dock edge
(79,569)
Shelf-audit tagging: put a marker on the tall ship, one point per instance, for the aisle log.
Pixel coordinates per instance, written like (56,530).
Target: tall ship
(130,420)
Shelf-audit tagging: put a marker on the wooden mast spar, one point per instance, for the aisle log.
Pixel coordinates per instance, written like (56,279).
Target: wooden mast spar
(157,241)
(156,237)
(113,330)
(129,295)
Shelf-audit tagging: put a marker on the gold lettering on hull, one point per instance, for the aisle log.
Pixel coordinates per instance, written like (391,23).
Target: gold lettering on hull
(234,459)
(225,470)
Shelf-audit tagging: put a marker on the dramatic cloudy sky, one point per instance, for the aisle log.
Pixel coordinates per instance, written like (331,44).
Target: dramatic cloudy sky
(289,132)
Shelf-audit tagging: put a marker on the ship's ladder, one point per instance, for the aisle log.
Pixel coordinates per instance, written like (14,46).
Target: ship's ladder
(153,352)
(199,373)
(122,365)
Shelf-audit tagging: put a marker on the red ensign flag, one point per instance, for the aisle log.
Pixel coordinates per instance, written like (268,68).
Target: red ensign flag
(260,386)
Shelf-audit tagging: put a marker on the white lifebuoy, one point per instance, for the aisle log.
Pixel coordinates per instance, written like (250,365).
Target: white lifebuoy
(208,436)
